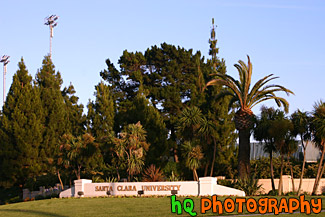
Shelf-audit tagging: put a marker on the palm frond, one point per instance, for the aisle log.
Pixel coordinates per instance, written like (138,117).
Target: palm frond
(231,85)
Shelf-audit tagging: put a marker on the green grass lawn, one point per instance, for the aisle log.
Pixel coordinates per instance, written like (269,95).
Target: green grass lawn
(104,207)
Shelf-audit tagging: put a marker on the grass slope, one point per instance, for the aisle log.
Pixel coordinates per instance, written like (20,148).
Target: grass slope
(102,207)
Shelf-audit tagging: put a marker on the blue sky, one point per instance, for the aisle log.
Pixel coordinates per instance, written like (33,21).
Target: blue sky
(283,37)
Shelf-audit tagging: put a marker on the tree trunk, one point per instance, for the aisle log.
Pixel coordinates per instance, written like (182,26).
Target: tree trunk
(280,181)
(118,174)
(77,172)
(196,178)
(303,167)
(318,171)
(319,178)
(272,172)
(59,176)
(175,156)
(244,154)
(214,156)
(291,171)
(206,169)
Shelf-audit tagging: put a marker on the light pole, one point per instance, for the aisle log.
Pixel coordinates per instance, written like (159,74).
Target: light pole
(5,61)
(51,21)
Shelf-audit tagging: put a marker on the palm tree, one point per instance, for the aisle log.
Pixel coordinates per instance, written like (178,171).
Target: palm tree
(262,134)
(247,98)
(78,152)
(193,125)
(318,128)
(301,122)
(281,131)
(134,146)
(193,155)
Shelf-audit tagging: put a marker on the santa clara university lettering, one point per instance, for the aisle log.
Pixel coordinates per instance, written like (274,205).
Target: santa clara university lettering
(205,186)
(134,188)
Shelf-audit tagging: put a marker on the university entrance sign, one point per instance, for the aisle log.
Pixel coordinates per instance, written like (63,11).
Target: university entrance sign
(206,186)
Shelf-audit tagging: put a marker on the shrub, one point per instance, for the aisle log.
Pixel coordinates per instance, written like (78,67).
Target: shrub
(249,185)
(226,182)
(273,193)
(152,174)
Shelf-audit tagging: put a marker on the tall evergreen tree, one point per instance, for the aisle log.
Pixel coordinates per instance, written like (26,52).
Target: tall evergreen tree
(222,140)
(54,111)
(141,110)
(75,119)
(101,112)
(167,76)
(100,119)
(21,130)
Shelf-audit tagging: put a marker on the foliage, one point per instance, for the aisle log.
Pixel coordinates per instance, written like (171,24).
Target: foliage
(75,119)
(273,193)
(193,155)
(140,109)
(98,179)
(249,185)
(247,98)
(174,178)
(261,168)
(10,195)
(77,153)
(318,130)
(132,147)
(54,116)
(153,174)
(48,180)
(21,131)
(101,113)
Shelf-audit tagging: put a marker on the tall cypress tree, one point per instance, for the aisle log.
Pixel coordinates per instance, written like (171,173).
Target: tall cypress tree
(100,119)
(101,112)
(218,112)
(141,110)
(21,130)
(75,119)
(54,111)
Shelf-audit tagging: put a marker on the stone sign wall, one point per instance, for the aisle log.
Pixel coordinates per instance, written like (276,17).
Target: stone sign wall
(205,186)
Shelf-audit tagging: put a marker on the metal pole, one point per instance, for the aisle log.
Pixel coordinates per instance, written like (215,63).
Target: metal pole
(4,82)
(51,35)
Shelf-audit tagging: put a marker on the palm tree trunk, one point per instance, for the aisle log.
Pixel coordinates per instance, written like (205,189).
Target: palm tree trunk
(77,172)
(59,176)
(206,169)
(196,178)
(272,171)
(280,181)
(303,168)
(118,174)
(318,171)
(319,178)
(244,154)
(175,156)
(291,171)
(214,156)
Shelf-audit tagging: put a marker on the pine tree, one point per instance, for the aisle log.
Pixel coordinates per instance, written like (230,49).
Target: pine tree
(167,75)
(21,130)
(75,119)
(54,110)
(101,112)
(141,110)
(100,119)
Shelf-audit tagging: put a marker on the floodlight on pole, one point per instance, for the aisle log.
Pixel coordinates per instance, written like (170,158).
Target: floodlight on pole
(5,60)
(51,21)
